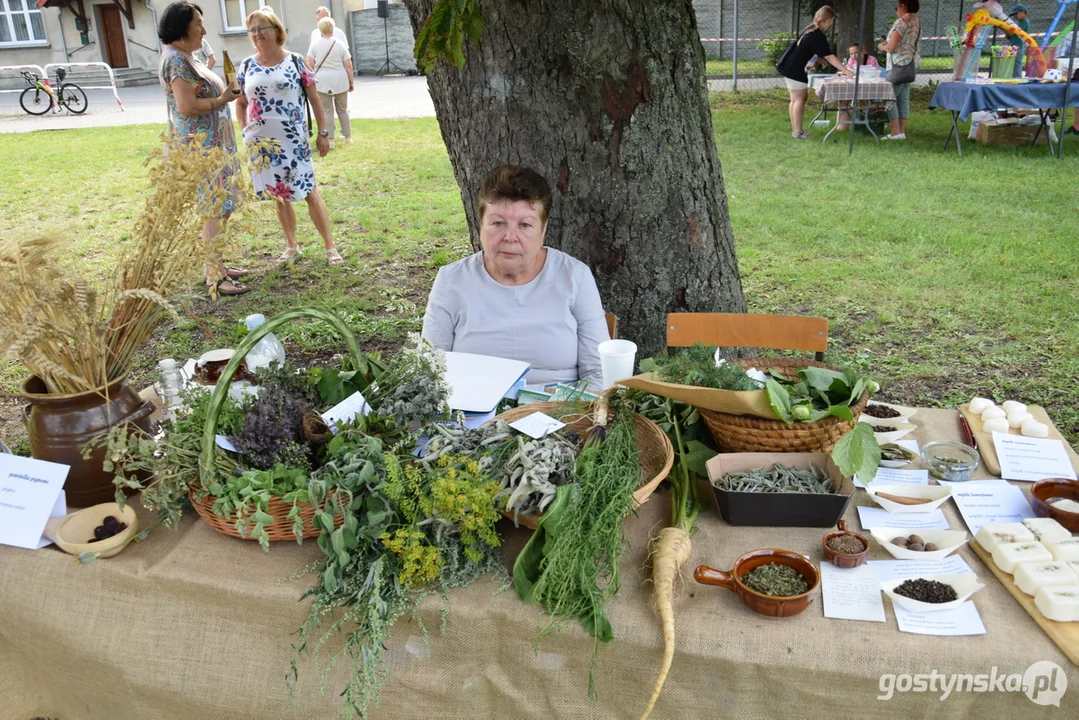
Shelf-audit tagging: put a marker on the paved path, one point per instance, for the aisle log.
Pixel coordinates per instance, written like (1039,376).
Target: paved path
(399,97)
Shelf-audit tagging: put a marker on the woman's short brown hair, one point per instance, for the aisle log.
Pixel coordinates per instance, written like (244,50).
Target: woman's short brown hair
(514,182)
(265,14)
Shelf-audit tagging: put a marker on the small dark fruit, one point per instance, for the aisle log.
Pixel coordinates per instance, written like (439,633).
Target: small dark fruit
(916,540)
(916,547)
(900,541)
(100,532)
(120,528)
(110,522)
(931,547)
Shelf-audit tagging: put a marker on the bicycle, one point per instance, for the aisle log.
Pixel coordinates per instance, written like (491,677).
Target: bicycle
(39,98)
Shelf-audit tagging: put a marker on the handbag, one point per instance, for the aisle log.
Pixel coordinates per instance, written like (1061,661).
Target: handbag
(786,54)
(900,74)
(303,92)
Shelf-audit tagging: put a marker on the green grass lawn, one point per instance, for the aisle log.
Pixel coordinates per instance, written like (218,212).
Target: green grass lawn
(958,275)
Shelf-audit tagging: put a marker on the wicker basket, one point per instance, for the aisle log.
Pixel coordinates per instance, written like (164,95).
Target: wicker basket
(747,433)
(281,527)
(656,459)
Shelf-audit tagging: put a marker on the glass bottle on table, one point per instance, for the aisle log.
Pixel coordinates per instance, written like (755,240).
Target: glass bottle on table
(169,385)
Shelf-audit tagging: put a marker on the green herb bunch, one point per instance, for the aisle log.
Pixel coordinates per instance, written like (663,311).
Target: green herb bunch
(413,386)
(393,532)
(166,469)
(697,366)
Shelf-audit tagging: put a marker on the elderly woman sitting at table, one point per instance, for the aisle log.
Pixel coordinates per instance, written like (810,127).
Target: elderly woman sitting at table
(516,298)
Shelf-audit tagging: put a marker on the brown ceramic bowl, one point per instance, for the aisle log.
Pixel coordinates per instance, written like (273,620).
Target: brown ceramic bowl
(844,560)
(758,602)
(1046,491)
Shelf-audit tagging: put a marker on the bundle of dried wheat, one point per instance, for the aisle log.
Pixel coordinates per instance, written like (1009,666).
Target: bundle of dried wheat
(79,339)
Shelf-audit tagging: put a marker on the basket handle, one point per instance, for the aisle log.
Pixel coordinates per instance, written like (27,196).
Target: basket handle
(209,430)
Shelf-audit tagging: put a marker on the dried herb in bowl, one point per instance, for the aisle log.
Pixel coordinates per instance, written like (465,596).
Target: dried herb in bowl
(775,580)
(778,479)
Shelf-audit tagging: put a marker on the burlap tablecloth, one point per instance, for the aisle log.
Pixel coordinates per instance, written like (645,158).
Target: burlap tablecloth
(194,625)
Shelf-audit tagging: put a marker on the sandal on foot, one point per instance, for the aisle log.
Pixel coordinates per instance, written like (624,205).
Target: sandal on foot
(237,288)
(290,254)
(803,135)
(334,258)
(235,273)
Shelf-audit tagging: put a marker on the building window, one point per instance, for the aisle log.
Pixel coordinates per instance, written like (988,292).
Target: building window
(236,11)
(20,23)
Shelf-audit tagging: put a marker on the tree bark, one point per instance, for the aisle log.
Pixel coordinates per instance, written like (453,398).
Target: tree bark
(607,99)
(848,12)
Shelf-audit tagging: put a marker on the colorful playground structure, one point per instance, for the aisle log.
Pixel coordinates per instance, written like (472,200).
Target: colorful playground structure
(978,24)
(1061,6)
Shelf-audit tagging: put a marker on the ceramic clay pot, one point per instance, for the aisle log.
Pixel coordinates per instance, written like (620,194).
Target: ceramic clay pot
(61,425)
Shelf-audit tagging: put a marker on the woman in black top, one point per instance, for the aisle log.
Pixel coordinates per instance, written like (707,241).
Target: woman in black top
(793,68)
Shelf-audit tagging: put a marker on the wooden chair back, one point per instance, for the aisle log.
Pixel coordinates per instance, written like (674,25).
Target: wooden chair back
(781,332)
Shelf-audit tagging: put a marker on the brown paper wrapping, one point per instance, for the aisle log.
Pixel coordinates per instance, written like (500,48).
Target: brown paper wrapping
(732,402)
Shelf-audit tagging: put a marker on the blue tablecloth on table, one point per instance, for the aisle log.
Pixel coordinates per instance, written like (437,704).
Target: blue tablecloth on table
(966,98)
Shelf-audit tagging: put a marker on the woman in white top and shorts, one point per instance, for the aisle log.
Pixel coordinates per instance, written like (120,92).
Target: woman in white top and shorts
(329,59)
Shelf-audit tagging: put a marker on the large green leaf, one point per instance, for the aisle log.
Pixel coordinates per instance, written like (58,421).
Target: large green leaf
(857,453)
(780,400)
(697,456)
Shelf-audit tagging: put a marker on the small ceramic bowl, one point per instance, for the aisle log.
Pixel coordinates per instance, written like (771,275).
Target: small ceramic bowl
(964,584)
(940,459)
(1046,492)
(758,602)
(947,540)
(935,494)
(844,560)
(905,413)
(71,532)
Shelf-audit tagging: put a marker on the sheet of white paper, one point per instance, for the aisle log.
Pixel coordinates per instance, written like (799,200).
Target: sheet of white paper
(1032,459)
(28,492)
(893,569)
(58,510)
(346,411)
(189,368)
(537,425)
(895,476)
(990,501)
(911,445)
(963,620)
(852,594)
(224,443)
(478,382)
(872,517)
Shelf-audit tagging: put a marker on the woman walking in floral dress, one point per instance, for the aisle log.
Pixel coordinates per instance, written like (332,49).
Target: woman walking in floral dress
(271,111)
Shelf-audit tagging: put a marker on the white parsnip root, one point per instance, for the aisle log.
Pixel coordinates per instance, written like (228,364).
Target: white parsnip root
(670,551)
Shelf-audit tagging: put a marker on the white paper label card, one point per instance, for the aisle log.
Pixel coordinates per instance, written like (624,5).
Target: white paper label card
(894,569)
(224,443)
(537,425)
(852,594)
(1032,459)
(963,620)
(990,501)
(872,517)
(893,476)
(58,510)
(346,411)
(28,491)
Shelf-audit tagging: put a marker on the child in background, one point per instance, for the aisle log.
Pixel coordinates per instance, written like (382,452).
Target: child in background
(857,57)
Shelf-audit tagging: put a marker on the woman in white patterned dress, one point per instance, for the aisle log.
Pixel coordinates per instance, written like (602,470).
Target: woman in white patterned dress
(271,111)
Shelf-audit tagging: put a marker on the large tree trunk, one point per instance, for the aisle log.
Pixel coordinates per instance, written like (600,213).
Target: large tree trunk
(848,12)
(607,99)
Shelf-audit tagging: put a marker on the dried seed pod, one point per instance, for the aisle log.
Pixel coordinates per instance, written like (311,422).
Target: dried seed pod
(900,541)
(931,547)
(916,547)
(916,539)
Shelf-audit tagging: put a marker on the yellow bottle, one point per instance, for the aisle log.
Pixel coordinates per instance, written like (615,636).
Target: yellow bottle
(230,69)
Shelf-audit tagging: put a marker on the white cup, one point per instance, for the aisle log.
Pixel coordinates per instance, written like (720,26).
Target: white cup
(616,358)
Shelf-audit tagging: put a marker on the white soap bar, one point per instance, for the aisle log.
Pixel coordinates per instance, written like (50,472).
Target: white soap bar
(993,534)
(1066,505)
(1046,529)
(1066,549)
(1007,556)
(1059,603)
(1031,576)
(1011,406)
(979,404)
(999,425)
(993,412)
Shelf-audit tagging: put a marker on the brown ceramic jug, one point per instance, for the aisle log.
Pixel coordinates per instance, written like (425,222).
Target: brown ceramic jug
(61,425)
